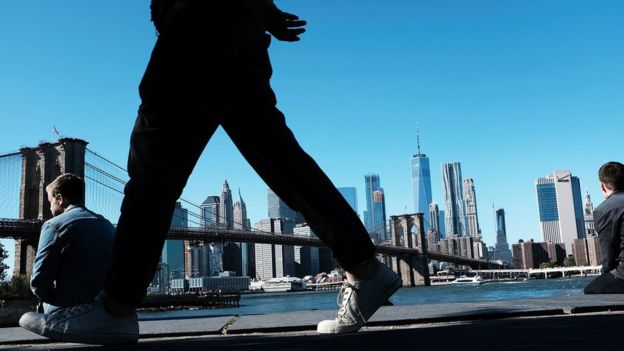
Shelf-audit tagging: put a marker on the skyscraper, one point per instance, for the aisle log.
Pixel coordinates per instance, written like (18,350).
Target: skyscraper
(502,251)
(279,209)
(455,215)
(560,208)
(434,215)
(173,250)
(226,207)
(375,214)
(306,258)
(210,215)
(273,260)
(241,222)
(421,184)
(350,194)
(472,219)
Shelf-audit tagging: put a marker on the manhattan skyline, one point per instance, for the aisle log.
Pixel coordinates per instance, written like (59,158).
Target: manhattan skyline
(514,91)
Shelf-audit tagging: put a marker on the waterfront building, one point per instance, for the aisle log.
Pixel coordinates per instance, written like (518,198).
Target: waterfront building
(453,199)
(272,260)
(588,216)
(226,207)
(593,250)
(173,250)
(587,251)
(579,251)
(232,257)
(306,258)
(375,213)
(279,209)
(501,251)
(472,219)
(530,254)
(350,194)
(560,208)
(203,259)
(421,183)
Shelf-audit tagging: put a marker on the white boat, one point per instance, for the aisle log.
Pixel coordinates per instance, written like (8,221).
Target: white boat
(443,277)
(474,280)
(284,284)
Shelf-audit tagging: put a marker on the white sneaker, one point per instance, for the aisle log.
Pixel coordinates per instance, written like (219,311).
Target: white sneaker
(88,324)
(360,301)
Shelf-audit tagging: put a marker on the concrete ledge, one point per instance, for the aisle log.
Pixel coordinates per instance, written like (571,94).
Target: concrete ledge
(390,316)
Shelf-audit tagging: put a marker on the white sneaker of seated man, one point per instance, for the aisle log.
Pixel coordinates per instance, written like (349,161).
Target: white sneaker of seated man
(87,324)
(360,301)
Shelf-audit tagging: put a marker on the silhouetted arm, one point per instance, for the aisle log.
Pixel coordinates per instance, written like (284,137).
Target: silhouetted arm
(282,25)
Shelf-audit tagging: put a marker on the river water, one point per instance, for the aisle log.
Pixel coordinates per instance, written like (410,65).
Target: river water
(311,300)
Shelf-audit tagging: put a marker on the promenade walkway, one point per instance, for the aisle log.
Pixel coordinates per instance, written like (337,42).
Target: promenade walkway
(583,322)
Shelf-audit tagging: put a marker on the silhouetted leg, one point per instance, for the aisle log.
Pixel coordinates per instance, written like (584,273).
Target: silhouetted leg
(606,283)
(183,90)
(259,131)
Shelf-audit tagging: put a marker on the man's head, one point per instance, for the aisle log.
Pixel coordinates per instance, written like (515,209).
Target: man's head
(611,176)
(67,189)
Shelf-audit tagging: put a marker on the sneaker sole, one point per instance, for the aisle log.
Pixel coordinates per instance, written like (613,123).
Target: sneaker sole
(90,338)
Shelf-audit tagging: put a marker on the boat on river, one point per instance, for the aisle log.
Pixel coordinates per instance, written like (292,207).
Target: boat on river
(466,280)
(284,284)
(441,278)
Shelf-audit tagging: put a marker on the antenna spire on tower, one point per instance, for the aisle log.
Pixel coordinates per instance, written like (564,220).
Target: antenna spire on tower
(418,139)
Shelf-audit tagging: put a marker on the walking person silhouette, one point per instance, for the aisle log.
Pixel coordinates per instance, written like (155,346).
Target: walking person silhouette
(210,67)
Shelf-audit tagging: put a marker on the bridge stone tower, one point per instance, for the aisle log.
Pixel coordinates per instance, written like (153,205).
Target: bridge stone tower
(40,166)
(408,231)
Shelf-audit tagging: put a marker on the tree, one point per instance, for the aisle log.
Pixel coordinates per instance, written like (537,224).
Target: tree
(3,266)
(548,264)
(569,261)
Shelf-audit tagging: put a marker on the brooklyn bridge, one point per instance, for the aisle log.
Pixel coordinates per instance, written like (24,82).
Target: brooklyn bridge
(26,173)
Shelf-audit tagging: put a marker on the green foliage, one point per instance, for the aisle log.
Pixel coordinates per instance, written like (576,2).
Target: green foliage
(3,266)
(548,264)
(18,288)
(569,261)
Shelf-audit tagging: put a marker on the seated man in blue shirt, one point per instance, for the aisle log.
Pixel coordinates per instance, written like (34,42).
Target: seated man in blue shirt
(74,248)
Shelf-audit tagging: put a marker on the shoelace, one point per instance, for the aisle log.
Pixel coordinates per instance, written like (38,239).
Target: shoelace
(346,290)
(73,310)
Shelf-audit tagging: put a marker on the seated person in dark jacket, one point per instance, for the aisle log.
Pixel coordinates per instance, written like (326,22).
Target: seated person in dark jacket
(74,248)
(609,223)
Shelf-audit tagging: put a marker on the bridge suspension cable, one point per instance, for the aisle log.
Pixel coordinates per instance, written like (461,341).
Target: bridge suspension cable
(115,179)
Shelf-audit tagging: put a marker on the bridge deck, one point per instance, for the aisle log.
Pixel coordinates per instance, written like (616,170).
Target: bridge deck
(29,229)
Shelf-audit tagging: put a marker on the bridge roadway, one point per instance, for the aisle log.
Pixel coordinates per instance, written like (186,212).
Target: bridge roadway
(30,229)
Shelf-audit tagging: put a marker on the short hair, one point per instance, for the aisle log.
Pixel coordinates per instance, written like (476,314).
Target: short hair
(70,186)
(612,175)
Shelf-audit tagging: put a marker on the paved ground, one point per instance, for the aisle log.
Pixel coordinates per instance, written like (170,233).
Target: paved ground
(576,323)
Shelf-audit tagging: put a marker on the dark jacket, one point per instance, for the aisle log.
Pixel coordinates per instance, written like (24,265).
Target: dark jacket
(609,220)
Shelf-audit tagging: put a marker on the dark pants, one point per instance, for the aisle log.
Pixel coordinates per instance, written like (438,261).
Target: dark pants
(210,68)
(606,283)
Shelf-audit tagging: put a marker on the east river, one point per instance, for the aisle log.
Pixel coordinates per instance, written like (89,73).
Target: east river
(311,300)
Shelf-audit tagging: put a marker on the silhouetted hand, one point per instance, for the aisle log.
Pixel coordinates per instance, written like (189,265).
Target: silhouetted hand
(282,25)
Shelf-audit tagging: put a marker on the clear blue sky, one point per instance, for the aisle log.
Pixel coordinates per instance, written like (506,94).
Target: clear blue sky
(511,89)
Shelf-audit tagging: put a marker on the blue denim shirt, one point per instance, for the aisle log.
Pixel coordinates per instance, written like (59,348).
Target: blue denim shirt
(73,258)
